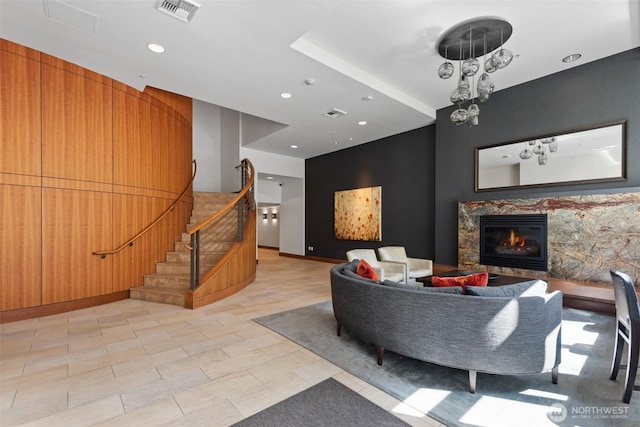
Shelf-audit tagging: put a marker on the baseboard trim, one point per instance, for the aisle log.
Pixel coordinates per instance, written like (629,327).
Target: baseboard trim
(313,258)
(60,307)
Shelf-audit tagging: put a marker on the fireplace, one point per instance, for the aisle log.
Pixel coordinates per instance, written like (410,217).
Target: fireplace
(516,241)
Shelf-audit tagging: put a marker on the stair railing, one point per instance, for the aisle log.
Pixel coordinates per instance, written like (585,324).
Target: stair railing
(103,254)
(223,226)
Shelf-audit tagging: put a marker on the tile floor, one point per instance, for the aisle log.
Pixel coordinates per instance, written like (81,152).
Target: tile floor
(148,364)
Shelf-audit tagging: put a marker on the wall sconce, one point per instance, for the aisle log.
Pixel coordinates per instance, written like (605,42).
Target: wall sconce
(264,215)
(274,215)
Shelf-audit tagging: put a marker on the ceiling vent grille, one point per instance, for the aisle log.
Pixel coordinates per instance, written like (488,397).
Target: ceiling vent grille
(335,113)
(181,9)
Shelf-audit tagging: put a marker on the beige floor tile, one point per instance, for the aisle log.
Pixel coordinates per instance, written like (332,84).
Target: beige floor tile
(6,399)
(233,386)
(49,405)
(111,386)
(219,413)
(154,414)
(34,378)
(84,415)
(144,394)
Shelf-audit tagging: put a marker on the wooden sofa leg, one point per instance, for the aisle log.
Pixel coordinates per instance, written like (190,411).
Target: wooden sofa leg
(338,330)
(554,375)
(472,381)
(380,354)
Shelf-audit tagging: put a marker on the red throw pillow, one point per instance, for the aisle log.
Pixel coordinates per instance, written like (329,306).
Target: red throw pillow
(365,270)
(477,279)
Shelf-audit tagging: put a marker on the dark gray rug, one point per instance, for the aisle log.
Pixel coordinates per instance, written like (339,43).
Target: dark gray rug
(328,403)
(584,395)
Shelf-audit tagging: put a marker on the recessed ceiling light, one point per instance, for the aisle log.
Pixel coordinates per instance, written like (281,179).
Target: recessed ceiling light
(335,143)
(571,58)
(294,146)
(362,123)
(269,177)
(155,48)
(367,98)
(285,95)
(310,82)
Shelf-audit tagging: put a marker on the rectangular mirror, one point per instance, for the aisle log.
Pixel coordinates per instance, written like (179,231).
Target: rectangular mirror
(588,155)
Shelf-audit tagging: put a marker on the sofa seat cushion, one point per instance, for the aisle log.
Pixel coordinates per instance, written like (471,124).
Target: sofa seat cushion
(526,289)
(477,279)
(445,290)
(420,272)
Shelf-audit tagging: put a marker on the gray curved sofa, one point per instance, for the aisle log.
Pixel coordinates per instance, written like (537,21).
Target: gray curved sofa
(508,335)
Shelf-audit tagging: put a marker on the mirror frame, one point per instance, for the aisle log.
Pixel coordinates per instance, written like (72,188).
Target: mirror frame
(623,166)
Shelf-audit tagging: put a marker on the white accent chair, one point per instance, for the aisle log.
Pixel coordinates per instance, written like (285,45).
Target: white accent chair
(386,270)
(413,267)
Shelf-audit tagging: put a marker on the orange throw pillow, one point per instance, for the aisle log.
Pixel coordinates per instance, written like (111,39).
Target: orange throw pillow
(477,279)
(365,270)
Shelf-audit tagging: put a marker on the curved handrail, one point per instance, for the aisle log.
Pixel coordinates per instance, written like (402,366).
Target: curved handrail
(150,226)
(226,208)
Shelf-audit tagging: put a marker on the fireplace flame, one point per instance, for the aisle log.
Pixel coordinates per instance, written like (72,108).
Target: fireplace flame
(515,240)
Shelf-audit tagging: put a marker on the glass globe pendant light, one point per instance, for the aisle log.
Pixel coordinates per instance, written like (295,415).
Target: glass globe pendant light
(502,57)
(526,153)
(470,66)
(446,69)
(461,93)
(485,85)
(542,158)
(473,111)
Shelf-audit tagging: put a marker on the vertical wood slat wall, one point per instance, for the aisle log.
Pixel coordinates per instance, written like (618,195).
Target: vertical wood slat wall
(85,163)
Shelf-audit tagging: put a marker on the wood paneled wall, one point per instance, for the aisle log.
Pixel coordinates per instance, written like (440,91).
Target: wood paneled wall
(85,164)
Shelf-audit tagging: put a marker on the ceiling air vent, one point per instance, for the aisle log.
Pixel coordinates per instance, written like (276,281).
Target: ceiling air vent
(335,113)
(181,9)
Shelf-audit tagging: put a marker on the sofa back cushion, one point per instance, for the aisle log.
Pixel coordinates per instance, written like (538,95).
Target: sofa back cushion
(444,290)
(353,275)
(525,289)
(477,279)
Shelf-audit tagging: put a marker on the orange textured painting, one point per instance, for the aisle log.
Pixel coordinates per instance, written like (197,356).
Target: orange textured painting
(358,214)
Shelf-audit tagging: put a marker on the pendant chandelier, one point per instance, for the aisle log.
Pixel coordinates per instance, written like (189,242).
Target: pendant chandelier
(465,43)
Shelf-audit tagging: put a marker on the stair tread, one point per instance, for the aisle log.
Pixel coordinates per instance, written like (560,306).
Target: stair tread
(160,290)
(170,275)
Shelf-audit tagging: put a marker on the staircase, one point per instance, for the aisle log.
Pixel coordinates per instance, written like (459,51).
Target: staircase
(172,278)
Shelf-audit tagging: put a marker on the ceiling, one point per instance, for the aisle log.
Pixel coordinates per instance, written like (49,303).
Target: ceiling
(375,60)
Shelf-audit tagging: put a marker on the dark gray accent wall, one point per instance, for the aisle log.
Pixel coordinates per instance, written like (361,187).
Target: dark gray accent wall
(403,165)
(599,92)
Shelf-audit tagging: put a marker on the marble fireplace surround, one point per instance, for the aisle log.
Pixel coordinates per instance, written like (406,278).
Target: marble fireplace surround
(588,235)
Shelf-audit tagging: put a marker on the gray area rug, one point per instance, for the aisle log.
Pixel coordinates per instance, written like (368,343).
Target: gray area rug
(584,395)
(328,403)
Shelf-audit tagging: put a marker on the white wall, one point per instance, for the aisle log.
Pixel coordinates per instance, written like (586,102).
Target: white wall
(274,164)
(270,192)
(229,150)
(269,229)
(292,217)
(206,146)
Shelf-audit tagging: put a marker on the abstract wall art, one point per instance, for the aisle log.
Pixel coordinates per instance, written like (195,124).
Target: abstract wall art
(358,214)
